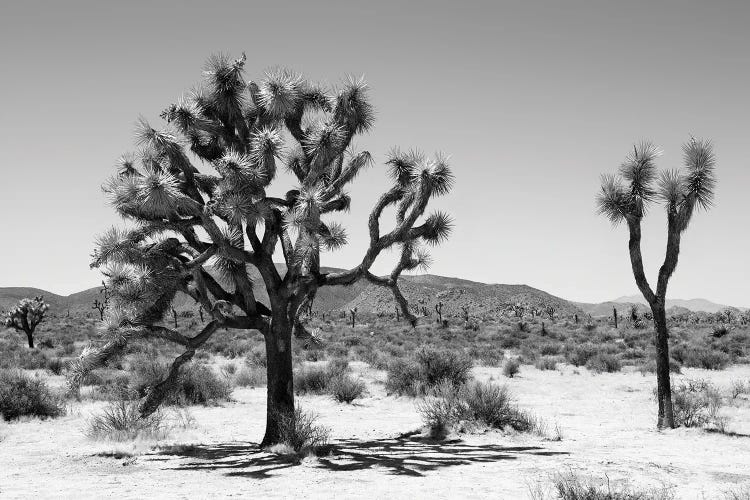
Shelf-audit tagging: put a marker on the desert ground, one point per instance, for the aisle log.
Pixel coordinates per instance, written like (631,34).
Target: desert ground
(598,425)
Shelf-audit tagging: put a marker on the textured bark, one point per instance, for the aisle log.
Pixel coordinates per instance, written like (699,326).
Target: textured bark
(280,391)
(663,384)
(30,338)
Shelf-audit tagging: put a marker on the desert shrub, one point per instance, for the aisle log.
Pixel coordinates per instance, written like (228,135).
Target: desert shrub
(579,355)
(696,403)
(55,366)
(345,388)
(510,343)
(572,487)
(257,356)
(22,395)
(700,357)
(31,359)
(604,363)
(251,376)
(301,432)
(196,384)
(337,367)
(311,379)
(475,403)
(546,363)
(115,386)
(229,369)
(427,369)
(738,387)
(511,367)
(337,350)
(550,349)
(121,421)
(650,366)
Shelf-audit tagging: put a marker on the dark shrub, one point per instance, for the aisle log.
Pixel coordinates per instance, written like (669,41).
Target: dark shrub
(311,379)
(427,369)
(55,366)
(344,388)
(579,355)
(301,432)
(22,395)
(604,363)
(511,367)
(546,363)
(196,384)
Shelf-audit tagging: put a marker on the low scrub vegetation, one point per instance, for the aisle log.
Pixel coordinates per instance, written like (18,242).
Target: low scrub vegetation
(448,408)
(570,486)
(22,395)
(427,369)
(301,434)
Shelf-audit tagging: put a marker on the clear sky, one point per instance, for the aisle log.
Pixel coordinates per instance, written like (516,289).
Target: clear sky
(532,101)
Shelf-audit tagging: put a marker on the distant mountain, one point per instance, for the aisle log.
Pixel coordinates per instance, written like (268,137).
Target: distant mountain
(421,291)
(694,305)
(674,306)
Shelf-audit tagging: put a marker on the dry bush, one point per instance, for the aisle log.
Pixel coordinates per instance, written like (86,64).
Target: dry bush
(696,403)
(546,363)
(301,432)
(251,376)
(22,395)
(196,384)
(511,367)
(601,362)
(476,403)
(345,388)
(121,421)
(572,487)
(427,369)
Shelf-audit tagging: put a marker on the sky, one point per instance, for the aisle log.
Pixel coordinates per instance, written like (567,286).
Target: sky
(531,100)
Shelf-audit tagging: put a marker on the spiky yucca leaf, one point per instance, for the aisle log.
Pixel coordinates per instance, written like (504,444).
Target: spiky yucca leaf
(266,145)
(333,236)
(280,93)
(325,143)
(352,109)
(639,171)
(613,201)
(356,163)
(404,166)
(700,180)
(438,176)
(438,227)
(226,84)
(670,189)
(240,172)
(159,195)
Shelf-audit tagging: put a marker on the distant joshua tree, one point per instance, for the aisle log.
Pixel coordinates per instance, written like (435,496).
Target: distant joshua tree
(624,198)
(199,233)
(101,305)
(26,316)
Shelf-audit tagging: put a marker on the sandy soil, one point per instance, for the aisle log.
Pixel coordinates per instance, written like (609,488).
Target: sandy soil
(606,421)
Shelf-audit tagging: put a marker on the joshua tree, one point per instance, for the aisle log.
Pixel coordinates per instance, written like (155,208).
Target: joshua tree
(26,316)
(398,313)
(101,305)
(208,234)
(200,313)
(353,314)
(614,315)
(465,310)
(439,311)
(550,310)
(625,198)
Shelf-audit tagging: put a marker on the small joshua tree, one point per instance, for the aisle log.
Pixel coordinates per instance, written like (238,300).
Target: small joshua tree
(353,314)
(101,305)
(439,311)
(398,313)
(550,310)
(26,316)
(614,315)
(209,234)
(625,198)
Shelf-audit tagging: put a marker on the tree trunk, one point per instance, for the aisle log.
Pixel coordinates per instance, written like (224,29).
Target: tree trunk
(280,401)
(30,338)
(663,385)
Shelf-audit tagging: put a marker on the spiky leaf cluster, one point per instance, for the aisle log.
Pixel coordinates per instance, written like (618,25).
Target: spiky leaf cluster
(625,197)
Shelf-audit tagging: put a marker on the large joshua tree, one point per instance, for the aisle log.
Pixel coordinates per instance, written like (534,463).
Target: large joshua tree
(624,198)
(207,234)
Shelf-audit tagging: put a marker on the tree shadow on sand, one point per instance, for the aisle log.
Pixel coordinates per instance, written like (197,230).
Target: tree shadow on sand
(406,455)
